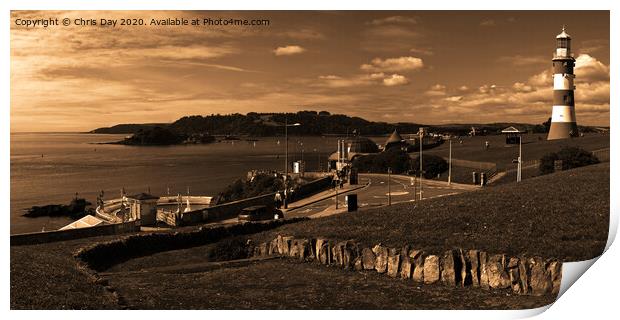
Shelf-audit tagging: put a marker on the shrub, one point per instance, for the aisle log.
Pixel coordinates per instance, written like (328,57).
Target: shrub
(571,157)
(242,189)
(432,166)
(547,163)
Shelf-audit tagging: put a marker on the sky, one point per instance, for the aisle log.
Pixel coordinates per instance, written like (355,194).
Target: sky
(429,67)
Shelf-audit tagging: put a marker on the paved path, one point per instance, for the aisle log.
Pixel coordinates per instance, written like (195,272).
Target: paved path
(374,193)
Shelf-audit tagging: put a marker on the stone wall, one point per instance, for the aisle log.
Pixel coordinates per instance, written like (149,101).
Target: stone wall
(454,268)
(71,234)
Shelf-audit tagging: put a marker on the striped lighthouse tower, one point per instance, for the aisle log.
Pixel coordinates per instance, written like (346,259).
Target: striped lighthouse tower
(563,120)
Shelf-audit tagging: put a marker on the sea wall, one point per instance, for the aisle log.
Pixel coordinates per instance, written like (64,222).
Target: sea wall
(224,211)
(71,234)
(453,268)
(232,209)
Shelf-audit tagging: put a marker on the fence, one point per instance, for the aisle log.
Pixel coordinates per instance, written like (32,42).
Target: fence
(487,166)
(71,234)
(167,216)
(602,155)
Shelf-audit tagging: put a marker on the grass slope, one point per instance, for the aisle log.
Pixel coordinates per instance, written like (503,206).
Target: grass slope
(563,215)
(283,284)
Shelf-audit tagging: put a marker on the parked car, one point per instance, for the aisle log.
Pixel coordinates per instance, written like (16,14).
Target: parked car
(260,212)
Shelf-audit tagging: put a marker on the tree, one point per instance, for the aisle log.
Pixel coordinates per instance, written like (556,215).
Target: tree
(396,159)
(432,165)
(547,124)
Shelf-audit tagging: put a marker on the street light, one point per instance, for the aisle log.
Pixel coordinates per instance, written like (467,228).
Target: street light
(421,133)
(286,125)
(519,166)
(450,163)
(389,187)
(518,161)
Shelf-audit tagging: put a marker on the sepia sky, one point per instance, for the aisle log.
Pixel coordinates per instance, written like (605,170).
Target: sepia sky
(430,67)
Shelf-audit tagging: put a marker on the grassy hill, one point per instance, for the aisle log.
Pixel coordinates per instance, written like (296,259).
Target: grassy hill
(563,215)
(127,128)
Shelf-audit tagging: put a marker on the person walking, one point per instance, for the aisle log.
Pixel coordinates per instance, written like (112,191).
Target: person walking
(278,200)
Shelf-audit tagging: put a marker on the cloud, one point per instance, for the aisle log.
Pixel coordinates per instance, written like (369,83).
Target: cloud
(288,50)
(531,100)
(488,23)
(593,46)
(303,34)
(487,89)
(334,81)
(330,77)
(454,98)
(389,38)
(393,64)
(540,79)
(522,87)
(589,69)
(592,93)
(394,20)
(422,51)
(436,90)
(395,80)
(521,61)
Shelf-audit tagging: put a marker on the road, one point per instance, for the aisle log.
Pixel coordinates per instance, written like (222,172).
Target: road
(375,194)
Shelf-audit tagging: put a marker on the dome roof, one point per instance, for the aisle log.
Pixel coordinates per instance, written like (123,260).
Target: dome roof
(394,138)
(563,34)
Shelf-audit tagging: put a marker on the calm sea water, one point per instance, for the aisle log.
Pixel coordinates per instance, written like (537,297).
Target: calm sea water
(49,168)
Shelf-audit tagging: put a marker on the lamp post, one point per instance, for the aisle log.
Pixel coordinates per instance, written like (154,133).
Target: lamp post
(286,125)
(450,163)
(318,158)
(519,161)
(303,166)
(421,133)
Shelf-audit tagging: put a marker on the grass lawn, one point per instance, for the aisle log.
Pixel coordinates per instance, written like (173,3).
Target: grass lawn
(472,148)
(284,284)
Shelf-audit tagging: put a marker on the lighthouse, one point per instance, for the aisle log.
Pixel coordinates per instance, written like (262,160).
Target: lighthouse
(563,120)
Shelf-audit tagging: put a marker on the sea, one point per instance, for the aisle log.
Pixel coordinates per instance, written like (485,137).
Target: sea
(50,168)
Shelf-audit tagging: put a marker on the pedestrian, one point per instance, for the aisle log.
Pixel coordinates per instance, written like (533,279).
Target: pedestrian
(278,200)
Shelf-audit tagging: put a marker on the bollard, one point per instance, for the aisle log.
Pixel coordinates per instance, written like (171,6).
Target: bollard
(351,202)
(476,177)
